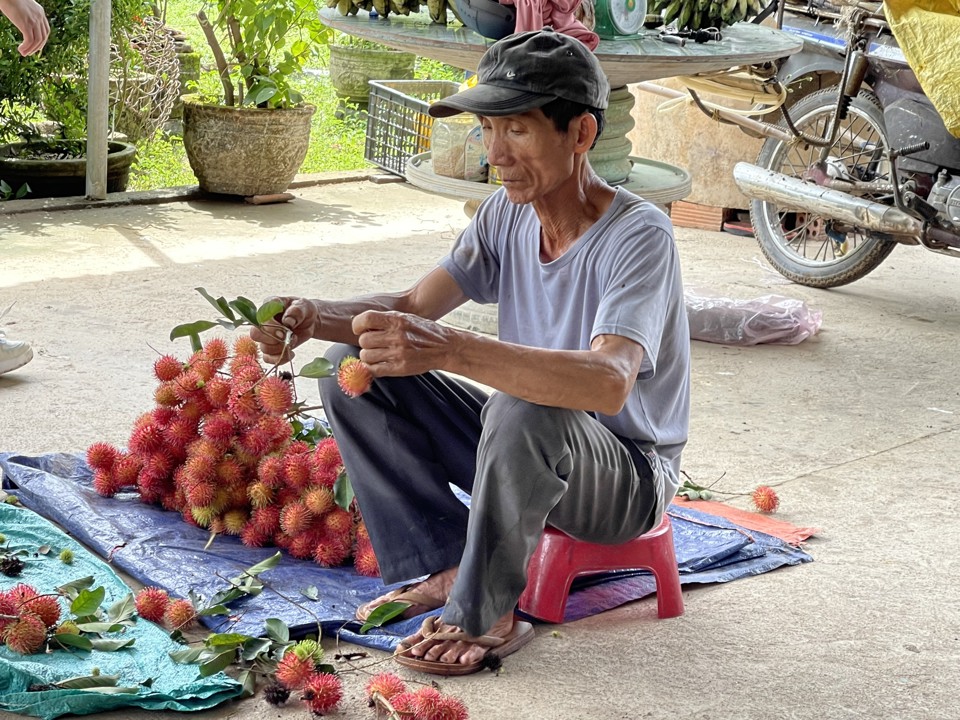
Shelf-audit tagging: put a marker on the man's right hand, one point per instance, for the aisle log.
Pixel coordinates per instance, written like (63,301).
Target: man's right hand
(300,319)
(28,17)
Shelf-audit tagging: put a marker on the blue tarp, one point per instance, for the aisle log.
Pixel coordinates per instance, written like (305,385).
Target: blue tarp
(157,548)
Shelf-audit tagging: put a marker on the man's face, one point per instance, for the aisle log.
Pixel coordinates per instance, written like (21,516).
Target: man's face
(532,157)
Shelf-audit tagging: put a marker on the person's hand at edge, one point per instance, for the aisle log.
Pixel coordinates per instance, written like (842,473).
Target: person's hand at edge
(29,18)
(299,320)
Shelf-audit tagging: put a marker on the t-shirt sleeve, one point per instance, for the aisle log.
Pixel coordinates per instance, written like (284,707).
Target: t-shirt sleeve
(640,290)
(474,259)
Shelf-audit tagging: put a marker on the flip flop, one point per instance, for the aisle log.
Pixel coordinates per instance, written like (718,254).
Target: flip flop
(520,635)
(401,594)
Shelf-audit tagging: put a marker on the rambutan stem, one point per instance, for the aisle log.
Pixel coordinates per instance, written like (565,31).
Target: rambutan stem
(379,699)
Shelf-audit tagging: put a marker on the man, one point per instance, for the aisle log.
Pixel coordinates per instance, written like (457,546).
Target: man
(590,368)
(28,17)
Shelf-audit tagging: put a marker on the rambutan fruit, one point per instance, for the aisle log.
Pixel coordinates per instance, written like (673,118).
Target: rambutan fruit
(277,427)
(151,603)
(217,526)
(404,703)
(20,593)
(385,684)
(159,463)
(765,499)
(354,376)
(244,407)
(146,438)
(105,483)
(256,441)
(296,470)
(325,475)
(267,519)
(245,345)
(330,552)
(217,392)
(276,694)
(200,494)
(201,467)
(44,607)
(252,536)
(260,495)
(203,516)
(67,627)
(188,386)
(127,469)
(293,671)
(302,546)
(181,432)
(234,521)
(163,416)
(308,649)
(275,395)
(166,396)
(7,612)
(295,518)
(451,708)
(216,352)
(25,635)
(282,540)
(360,531)
(219,427)
(319,500)
(327,453)
(102,456)
(365,560)
(180,614)
(322,692)
(230,472)
(66,556)
(167,368)
(196,408)
(338,522)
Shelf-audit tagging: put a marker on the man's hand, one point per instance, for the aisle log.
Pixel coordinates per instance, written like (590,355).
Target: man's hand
(299,320)
(28,17)
(395,344)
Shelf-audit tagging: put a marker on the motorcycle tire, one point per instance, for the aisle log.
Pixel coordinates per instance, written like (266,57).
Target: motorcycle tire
(805,247)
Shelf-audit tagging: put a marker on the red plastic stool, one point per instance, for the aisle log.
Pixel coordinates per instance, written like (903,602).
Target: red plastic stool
(560,558)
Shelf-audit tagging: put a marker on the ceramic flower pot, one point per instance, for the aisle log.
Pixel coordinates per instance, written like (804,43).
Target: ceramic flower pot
(58,168)
(352,69)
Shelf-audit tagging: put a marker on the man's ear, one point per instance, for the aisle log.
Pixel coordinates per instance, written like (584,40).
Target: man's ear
(584,129)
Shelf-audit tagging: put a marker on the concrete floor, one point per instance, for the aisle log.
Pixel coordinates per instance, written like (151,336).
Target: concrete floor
(857,429)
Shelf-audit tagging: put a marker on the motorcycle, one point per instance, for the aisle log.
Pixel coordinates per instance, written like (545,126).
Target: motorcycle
(857,167)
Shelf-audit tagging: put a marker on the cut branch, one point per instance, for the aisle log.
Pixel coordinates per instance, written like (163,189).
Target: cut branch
(223,70)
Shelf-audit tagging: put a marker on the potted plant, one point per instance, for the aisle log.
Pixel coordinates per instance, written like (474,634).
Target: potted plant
(253,137)
(43,106)
(354,62)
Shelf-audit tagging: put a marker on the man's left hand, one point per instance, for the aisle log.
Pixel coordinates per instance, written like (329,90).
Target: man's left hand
(395,344)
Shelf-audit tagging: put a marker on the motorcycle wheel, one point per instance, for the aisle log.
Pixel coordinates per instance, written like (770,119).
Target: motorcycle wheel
(805,247)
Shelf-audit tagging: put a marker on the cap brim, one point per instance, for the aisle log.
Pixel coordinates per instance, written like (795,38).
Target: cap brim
(488,100)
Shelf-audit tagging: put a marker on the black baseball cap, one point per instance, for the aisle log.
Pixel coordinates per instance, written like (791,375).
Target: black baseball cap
(525,71)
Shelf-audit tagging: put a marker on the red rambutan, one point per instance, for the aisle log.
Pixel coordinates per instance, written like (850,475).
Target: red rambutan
(217,392)
(451,708)
(322,692)
(231,472)
(293,671)
(319,500)
(354,376)
(426,702)
(202,466)
(256,441)
(330,552)
(365,560)
(270,471)
(327,453)
(159,463)
(260,495)
(44,607)
(360,531)
(296,470)
(146,438)
(102,456)
(151,603)
(167,368)
(386,684)
(324,475)
(275,395)
(252,536)
(765,499)
(244,406)
(302,546)
(234,521)
(189,385)
(105,483)
(295,518)
(163,416)
(267,519)
(215,351)
(404,703)
(8,609)
(165,395)
(127,469)
(219,427)
(180,432)
(338,522)
(246,345)
(196,408)
(277,427)
(180,614)
(25,635)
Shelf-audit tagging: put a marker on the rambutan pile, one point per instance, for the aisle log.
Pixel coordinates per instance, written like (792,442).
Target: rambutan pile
(219,448)
(26,616)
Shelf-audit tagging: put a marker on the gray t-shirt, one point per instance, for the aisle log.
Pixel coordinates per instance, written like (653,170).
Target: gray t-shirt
(622,277)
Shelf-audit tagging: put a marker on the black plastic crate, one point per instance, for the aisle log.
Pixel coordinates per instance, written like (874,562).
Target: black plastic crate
(398,125)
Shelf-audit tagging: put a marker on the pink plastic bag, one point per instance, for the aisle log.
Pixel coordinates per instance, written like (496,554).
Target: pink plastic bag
(769,319)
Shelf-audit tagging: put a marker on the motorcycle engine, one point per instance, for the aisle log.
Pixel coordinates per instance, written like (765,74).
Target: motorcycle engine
(945,196)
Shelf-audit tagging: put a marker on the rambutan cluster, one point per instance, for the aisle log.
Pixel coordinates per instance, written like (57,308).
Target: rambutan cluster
(298,670)
(155,605)
(26,617)
(426,703)
(219,449)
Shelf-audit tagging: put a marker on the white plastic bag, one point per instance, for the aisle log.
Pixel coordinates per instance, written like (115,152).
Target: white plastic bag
(769,319)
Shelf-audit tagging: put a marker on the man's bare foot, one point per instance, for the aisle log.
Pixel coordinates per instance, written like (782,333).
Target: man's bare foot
(451,652)
(423,596)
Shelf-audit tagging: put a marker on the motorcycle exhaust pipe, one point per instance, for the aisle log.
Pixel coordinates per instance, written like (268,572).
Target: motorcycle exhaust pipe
(795,194)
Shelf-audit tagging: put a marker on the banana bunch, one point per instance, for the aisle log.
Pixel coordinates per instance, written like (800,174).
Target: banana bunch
(436,8)
(699,14)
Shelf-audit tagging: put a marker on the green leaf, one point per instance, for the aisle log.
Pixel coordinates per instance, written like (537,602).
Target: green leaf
(215,610)
(268,311)
(75,641)
(254,647)
(219,303)
(85,682)
(384,614)
(277,630)
(224,639)
(108,645)
(218,663)
(88,601)
(247,310)
(317,368)
(122,609)
(187,655)
(100,627)
(311,593)
(191,329)
(343,490)
(73,588)
(267,564)
(249,682)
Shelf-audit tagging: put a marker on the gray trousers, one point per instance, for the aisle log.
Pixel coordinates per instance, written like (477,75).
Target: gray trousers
(525,466)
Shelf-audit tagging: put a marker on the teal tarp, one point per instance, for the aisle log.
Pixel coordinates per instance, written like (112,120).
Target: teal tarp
(172,686)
